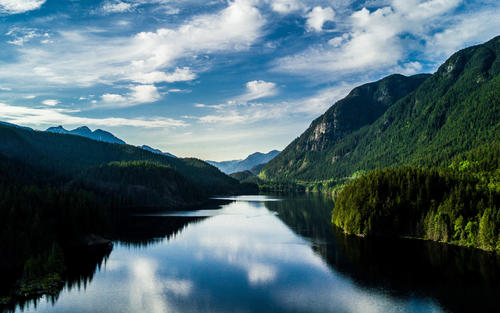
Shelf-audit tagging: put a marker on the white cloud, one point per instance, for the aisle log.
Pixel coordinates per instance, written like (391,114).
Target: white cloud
(471,28)
(257,89)
(311,106)
(320,102)
(21,35)
(338,41)
(113,98)
(179,75)
(19,6)
(371,45)
(50,102)
(144,94)
(138,94)
(231,117)
(285,6)
(418,9)
(86,57)
(52,116)
(319,16)
(116,7)
(409,68)
(382,39)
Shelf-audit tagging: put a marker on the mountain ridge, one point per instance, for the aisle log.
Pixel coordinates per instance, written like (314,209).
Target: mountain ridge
(250,162)
(453,110)
(84,131)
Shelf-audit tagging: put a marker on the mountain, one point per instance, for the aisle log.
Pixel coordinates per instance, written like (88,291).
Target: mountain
(14,125)
(246,177)
(84,131)
(66,157)
(419,120)
(248,163)
(157,151)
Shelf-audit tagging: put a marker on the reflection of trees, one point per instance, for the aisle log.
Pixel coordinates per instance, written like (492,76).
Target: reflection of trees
(81,264)
(305,214)
(142,231)
(461,279)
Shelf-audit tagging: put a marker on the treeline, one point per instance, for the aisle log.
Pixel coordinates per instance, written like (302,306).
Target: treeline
(140,184)
(449,205)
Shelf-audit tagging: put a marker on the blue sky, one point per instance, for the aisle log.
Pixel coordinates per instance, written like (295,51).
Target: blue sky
(215,79)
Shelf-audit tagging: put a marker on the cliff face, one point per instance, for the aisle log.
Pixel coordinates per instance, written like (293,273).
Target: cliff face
(362,106)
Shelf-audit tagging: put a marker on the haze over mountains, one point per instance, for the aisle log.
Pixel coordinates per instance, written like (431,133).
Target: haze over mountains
(253,162)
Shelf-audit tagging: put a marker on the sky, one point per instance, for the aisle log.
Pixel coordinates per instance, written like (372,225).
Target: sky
(217,79)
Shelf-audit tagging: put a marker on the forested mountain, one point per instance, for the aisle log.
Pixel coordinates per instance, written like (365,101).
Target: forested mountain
(252,161)
(140,184)
(246,177)
(158,151)
(392,122)
(84,131)
(65,157)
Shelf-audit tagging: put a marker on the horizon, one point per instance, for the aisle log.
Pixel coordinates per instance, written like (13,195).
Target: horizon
(219,80)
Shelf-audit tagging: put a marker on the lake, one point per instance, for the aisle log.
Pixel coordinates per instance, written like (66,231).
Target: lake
(271,254)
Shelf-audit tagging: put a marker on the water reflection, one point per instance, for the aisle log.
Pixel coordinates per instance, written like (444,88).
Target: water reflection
(255,256)
(460,279)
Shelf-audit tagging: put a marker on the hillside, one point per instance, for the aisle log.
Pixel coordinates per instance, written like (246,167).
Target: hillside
(458,204)
(246,177)
(158,151)
(452,111)
(140,184)
(252,161)
(66,156)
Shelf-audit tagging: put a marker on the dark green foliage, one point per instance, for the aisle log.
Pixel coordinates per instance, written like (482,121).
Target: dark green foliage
(246,177)
(34,214)
(248,180)
(441,205)
(141,184)
(66,156)
(453,111)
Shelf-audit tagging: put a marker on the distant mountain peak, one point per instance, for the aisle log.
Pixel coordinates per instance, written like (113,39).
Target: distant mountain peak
(84,131)
(58,130)
(252,161)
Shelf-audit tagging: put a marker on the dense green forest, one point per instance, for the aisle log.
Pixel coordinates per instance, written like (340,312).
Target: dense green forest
(458,204)
(139,184)
(38,218)
(453,111)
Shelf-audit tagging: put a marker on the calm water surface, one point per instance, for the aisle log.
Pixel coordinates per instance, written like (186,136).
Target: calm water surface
(274,254)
